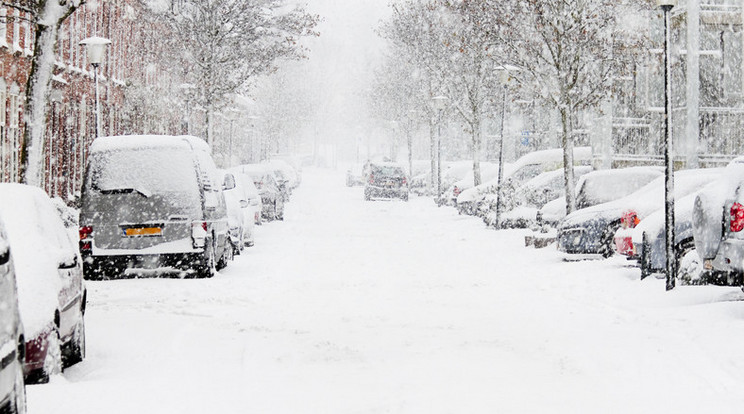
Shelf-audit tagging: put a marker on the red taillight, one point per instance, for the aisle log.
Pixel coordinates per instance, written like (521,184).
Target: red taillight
(86,234)
(371,179)
(629,220)
(405,181)
(456,191)
(204,225)
(737,218)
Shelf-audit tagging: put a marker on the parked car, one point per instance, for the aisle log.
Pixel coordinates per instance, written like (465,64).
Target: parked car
(12,343)
(718,221)
(271,195)
(599,187)
(285,172)
(488,172)
(250,192)
(481,199)
(355,176)
(51,293)
(240,215)
(591,230)
(520,211)
(387,180)
(152,205)
(648,237)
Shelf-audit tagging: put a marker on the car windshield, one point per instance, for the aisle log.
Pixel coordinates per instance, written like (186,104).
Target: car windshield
(387,170)
(146,171)
(604,188)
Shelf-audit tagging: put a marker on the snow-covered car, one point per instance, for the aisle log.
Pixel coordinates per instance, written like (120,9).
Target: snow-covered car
(386,180)
(718,221)
(481,199)
(355,177)
(521,210)
(239,214)
(12,343)
(272,202)
(591,230)
(244,184)
(51,293)
(285,172)
(599,187)
(488,172)
(648,237)
(152,205)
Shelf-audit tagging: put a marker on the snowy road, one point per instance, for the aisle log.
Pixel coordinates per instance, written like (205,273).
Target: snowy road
(390,307)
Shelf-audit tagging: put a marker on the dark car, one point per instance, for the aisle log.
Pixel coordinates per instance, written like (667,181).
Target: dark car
(12,344)
(386,180)
(591,230)
(49,274)
(151,206)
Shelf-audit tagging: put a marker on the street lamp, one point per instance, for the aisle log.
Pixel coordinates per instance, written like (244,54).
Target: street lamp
(503,76)
(439,103)
(96,47)
(671,259)
(412,120)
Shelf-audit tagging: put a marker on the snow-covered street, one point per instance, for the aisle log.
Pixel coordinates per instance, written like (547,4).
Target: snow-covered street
(391,307)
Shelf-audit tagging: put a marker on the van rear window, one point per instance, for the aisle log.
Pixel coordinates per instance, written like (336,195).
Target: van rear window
(145,170)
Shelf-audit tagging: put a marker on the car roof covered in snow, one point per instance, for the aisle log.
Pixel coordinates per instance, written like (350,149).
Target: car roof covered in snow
(144,141)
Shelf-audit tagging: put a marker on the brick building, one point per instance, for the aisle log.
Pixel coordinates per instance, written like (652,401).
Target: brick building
(130,64)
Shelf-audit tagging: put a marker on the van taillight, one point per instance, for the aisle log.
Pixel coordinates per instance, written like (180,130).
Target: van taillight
(199,233)
(371,178)
(405,181)
(629,220)
(737,218)
(85,232)
(86,236)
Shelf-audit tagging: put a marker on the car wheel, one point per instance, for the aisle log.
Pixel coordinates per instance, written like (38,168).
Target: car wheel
(606,249)
(52,360)
(75,351)
(227,256)
(405,197)
(18,399)
(208,267)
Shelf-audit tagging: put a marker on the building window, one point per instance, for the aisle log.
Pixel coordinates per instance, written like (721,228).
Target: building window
(17,31)
(3,27)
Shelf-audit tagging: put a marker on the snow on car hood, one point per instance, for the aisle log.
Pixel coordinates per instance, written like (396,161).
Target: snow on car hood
(31,224)
(646,200)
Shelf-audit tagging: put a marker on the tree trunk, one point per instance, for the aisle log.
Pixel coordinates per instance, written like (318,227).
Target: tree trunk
(568,171)
(477,143)
(37,93)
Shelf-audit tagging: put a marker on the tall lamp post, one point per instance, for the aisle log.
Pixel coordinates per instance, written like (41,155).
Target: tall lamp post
(439,103)
(96,46)
(671,259)
(503,76)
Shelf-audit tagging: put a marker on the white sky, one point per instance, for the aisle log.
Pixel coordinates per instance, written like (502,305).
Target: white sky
(342,59)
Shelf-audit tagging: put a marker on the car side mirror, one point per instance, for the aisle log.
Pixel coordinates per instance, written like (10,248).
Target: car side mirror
(244,204)
(68,263)
(229,183)
(4,254)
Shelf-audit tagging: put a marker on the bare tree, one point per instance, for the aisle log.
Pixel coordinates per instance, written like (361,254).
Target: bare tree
(568,52)
(223,45)
(47,17)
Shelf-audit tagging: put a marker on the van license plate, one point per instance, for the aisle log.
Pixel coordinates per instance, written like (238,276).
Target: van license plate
(143,231)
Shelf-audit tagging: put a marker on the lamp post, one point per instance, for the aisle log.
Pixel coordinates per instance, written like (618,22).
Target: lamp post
(503,76)
(671,259)
(439,103)
(96,46)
